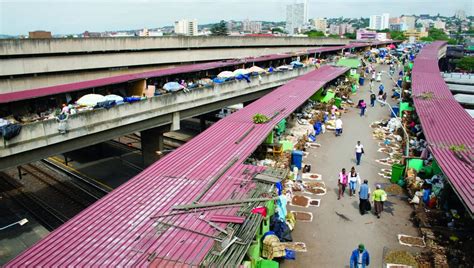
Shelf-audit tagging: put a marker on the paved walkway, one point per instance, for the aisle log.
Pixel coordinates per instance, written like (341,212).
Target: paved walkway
(329,238)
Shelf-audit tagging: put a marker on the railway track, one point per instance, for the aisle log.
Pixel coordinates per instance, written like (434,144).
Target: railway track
(51,197)
(48,216)
(90,187)
(67,189)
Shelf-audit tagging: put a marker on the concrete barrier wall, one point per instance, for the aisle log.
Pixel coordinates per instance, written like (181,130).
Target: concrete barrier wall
(9,47)
(70,63)
(45,133)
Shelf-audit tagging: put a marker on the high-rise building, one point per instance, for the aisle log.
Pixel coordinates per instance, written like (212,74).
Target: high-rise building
(186,27)
(320,24)
(379,22)
(295,17)
(409,21)
(252,26)
(460,14)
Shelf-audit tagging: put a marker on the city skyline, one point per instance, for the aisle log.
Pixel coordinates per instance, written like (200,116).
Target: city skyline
(76,16)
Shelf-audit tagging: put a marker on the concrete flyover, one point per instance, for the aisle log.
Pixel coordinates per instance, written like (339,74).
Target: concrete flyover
(30,63)
(41,139)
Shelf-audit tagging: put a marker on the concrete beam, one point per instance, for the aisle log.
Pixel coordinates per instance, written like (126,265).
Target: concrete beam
(14,47)
(70,63)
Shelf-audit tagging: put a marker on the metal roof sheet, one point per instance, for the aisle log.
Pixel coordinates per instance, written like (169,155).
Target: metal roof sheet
(445,123)
(117,230)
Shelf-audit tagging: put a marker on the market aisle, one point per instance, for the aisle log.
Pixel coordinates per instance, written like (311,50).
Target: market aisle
(330,238)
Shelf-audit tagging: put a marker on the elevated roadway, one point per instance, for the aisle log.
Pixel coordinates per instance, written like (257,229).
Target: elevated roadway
(32,63)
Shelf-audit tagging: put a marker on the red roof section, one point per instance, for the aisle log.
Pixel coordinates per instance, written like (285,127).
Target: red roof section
(445,123)
(117,230)
(65,88)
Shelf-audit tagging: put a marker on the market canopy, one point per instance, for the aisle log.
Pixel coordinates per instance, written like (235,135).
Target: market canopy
(349,62)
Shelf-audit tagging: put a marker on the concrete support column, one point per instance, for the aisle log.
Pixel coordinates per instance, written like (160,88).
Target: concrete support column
(152,141)
(202,122)
(175,124)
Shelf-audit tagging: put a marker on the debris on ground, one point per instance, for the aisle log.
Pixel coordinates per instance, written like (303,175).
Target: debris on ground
(342,216)
(394,189)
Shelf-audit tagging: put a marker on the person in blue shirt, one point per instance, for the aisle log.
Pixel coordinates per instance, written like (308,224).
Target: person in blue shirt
(364,194)
(360,257)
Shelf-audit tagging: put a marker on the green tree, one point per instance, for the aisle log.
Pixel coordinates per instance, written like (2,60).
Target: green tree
(334,36)
(314,34)
(278,30)
(465,63)
(219,29)
(397,35)
(350,35)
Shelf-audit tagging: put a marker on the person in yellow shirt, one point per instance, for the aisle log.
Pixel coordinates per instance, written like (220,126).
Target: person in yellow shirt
(378,196)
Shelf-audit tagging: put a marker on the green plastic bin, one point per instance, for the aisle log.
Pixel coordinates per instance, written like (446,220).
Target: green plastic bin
(269,139)
(270,205)
(416,164)
(268,264)
(338,102)
(397,172)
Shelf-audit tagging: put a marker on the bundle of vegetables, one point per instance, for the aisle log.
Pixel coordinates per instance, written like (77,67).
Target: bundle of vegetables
(260,119)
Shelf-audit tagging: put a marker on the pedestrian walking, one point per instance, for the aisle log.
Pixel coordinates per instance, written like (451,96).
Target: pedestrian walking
(364,195)
(384,98)
(338,126)
(372,99)
(362,106)
(381,89)
(373,75)
(359,150)
(342,183)
(379,197)
(354,180)
(360,257)
(379,77)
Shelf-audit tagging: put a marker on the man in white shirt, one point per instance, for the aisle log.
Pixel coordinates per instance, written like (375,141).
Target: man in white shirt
(359,150)
(338,126)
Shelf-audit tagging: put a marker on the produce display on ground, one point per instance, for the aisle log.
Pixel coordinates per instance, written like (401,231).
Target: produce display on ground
(401,257)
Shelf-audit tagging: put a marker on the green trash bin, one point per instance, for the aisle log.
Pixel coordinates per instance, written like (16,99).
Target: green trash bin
(337,102)
(397,172)
(416,164)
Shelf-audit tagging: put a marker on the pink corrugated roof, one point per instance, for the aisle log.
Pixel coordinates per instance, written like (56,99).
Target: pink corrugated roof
(444,122)
(46,91)
(117,230)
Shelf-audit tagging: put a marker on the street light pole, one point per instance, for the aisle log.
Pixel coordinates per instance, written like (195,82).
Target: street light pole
(407,149)
(20,222)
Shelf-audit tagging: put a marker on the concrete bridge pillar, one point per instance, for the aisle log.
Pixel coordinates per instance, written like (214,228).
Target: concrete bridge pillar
(153,144)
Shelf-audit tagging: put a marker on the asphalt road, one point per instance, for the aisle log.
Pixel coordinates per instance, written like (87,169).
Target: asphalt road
(329,238)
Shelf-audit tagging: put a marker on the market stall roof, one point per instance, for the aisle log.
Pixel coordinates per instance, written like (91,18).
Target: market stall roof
(447,126)
(117,230)
(65,88)
(349,62)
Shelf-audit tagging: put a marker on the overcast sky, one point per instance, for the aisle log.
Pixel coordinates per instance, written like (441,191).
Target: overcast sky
(76,16)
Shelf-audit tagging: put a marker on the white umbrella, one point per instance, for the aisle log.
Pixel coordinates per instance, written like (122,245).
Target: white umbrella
(226,74)
(240,71)
(113,97)
(255,69)
(90,99)
(284,67)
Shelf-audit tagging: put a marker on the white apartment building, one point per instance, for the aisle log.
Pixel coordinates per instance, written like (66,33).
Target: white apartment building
(252,26)
(409,21)
(379,22)
(186,27)
(320,24)
(295,17)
